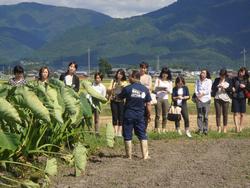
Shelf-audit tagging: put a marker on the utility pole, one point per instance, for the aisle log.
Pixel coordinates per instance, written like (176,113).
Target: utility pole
(158,63)
(89,61)
(244,56)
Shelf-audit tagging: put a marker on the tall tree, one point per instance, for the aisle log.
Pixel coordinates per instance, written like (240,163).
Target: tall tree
(104,66)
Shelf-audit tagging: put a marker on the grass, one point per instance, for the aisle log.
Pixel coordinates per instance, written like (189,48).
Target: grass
(94,144)
(211,135)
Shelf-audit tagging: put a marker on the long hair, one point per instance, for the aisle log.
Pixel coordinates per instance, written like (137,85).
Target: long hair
(122,72)
(246,76)
(208,73)
(223,72)
(41,72)
(179,79)
(167,71)
(72,63)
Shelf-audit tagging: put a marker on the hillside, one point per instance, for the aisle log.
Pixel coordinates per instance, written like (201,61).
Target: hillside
(26,27)
(188,34)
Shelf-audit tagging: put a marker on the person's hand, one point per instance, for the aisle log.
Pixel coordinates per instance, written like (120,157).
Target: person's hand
(233,88)
(242,86)
(180,97)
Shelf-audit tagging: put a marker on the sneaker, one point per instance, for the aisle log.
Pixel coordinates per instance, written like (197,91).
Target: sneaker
(179,132)
(188,134)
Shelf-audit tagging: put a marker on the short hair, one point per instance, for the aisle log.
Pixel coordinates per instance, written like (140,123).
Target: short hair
(143,65)
(122,72)
(98,74)
(223,72)
(73,63)
(41,72)
(167,71)
(246,76)
(180,79)
(18,69)
(136,74)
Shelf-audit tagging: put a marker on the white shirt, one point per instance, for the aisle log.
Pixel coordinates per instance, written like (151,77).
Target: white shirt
(204,87)
(180,93)
(163,84)
(100,88)
(221,93)
(68,80)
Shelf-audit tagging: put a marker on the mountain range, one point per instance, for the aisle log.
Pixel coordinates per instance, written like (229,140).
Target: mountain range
(188,34)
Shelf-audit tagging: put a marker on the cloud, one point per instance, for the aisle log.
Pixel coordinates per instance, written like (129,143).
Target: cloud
(114,8)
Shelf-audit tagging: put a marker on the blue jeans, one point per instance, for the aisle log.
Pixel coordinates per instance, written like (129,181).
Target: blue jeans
(139,127)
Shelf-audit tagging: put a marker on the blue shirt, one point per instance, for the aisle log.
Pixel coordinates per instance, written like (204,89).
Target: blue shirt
(136,96)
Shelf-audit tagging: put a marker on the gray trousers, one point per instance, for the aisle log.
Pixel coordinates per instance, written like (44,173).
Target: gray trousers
(161,108)
(202,115)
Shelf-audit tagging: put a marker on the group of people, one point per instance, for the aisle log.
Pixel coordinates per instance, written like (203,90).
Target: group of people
(131,100)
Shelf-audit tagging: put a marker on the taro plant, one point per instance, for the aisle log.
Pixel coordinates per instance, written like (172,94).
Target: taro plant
(38,119)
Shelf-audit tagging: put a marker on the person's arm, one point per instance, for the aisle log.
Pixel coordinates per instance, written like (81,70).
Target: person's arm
(170,87)
(150,83)
(148,108)
(77,84)
(196,88)
(103,90)
(62,77)
(187,95)
(174,94)
(148,105)
(122,95)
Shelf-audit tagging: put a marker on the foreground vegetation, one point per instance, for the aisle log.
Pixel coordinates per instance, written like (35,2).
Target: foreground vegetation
(40,121)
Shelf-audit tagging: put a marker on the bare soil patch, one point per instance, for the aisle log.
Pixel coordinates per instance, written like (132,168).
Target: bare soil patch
(174,163)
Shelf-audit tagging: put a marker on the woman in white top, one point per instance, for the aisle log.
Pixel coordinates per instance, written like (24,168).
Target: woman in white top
(100,88)
(203,88)
(146,80)
(163,87)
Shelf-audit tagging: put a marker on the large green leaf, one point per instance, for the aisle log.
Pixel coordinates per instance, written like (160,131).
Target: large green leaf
(57,82)
(87,109)
(9,141)
(56,108)
(29,100)
(8,112)
(80,158)
(110,135)
(88,87)
(69,100)
(4,88)
(51,167)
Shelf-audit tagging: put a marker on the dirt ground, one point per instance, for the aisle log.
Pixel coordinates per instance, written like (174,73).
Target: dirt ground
(174,163)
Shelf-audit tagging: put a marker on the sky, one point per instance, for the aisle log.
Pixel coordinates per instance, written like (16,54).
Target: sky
(113,8)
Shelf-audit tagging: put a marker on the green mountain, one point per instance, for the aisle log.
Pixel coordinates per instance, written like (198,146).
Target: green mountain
(26,27)
(189,34)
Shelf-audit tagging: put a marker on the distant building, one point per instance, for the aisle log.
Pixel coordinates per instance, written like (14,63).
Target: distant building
(177,72)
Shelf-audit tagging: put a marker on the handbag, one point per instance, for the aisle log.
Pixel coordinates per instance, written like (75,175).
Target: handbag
(194,98)
(174,113)
(247,94)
